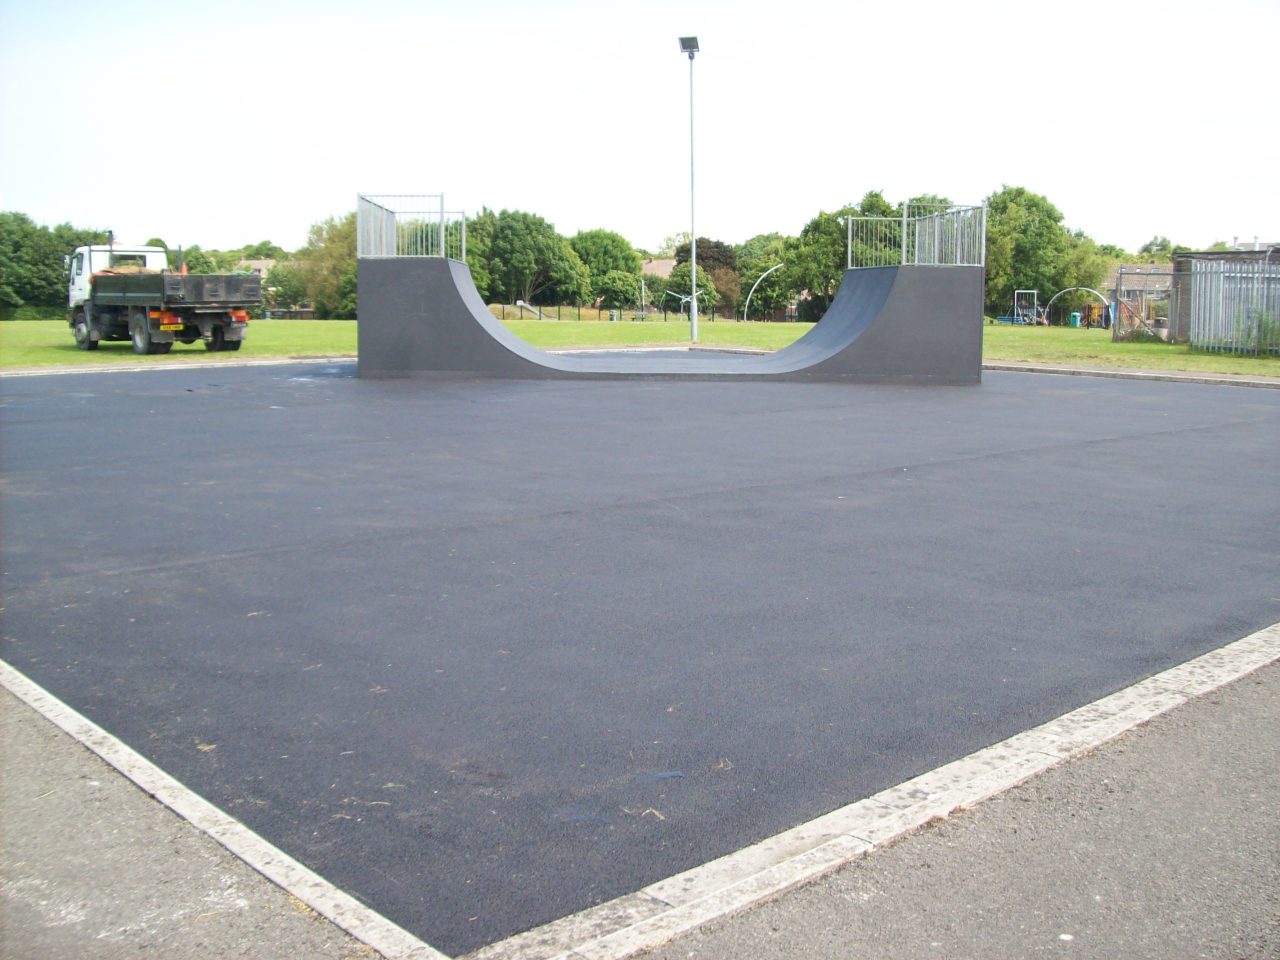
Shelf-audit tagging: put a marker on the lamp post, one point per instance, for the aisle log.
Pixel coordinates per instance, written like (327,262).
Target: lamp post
(689,45)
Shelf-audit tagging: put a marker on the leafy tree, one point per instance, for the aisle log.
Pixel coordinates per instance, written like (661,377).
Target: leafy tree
(224,261)
(529,261)
(928,202)
(31,260)
(198,260)
(263,250)
(759,247)
(284,286)
(328,266)
(651,290)
(669,245)
(571,279)
(1026,246)
(711,254)
(1082,264)
(816,260)
(618,288)
(755,257)
(728,287)
(873,204)
(480,231)
(1157,248)
(604,251)
(680,286)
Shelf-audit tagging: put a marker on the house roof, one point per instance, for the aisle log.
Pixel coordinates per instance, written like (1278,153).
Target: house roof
(659,267)
(1141,276)
(260,267)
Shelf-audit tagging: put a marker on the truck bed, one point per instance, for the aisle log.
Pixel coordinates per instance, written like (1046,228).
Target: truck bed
(176,290)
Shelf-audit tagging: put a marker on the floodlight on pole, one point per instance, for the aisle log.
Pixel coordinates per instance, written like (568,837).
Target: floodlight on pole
(689,45)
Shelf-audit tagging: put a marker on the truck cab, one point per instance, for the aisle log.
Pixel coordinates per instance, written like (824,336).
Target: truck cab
(86,261)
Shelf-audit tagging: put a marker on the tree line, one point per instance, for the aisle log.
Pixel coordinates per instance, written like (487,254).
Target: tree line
(516,255)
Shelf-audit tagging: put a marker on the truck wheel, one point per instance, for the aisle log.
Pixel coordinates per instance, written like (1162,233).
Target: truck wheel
(161,347)
(140,333)
(84,337)
(231,344)
(217,339)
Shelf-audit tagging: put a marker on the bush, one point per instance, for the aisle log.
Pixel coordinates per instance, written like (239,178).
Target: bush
(27,312)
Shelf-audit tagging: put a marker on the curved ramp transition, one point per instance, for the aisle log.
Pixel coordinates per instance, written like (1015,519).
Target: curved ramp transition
(422,318)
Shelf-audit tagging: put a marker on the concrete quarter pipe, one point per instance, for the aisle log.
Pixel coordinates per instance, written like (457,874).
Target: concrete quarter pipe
(421,317)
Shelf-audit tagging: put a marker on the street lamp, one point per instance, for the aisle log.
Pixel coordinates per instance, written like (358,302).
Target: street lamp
(689,45)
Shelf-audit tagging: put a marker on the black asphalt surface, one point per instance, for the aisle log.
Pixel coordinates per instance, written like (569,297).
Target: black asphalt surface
(484,654)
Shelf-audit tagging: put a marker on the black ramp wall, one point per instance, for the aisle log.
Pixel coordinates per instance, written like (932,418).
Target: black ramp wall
(422,317)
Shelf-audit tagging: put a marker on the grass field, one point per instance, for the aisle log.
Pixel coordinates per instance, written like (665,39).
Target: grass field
(38,343)
(43,343)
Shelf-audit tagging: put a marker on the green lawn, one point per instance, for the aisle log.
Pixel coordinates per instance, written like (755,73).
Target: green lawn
(1093,348)
(43,343)
(36,343)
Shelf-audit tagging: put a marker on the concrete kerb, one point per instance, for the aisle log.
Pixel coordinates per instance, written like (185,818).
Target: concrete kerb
(1172,376)
(670,907)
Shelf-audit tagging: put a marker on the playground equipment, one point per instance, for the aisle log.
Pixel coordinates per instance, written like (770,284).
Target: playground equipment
(1026,309)
(1106,306)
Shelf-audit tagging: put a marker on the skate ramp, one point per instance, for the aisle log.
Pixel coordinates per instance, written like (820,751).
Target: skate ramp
(422,318)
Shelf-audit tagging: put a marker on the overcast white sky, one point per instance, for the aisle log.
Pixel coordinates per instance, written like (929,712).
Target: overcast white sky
(226,122)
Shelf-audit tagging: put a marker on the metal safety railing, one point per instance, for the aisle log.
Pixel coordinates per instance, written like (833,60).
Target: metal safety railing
(402,225)
(954,236)
(945,236)
(873,242)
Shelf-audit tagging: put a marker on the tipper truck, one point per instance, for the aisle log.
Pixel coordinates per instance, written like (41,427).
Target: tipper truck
(129,293)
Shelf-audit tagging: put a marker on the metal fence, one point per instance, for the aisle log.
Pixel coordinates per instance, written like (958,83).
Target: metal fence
(409,226)
(924,235)
(873,241)
(951,236)
(1231,306)
(1144,306)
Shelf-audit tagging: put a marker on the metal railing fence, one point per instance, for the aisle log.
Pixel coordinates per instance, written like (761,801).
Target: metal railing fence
(1233,306)
(409,226)
(929,235)
(950,236)
(873,242)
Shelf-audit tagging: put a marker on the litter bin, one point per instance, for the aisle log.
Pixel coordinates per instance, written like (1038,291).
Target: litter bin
(1075,319)
(613,315)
